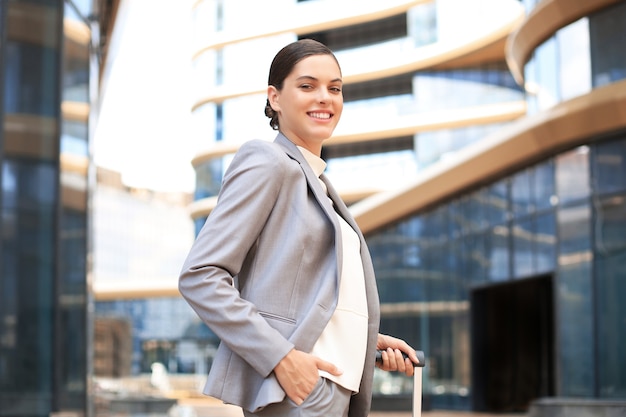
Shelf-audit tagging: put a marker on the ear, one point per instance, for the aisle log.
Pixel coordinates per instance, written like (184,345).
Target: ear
(273,97)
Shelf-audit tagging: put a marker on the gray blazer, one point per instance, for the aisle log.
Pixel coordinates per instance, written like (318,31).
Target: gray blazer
(264,273)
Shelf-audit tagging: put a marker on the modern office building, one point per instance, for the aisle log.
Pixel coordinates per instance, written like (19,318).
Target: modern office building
(49,66)
(140,240)
(482,150)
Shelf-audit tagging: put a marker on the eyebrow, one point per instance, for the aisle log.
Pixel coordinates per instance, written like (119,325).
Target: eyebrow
(310,77)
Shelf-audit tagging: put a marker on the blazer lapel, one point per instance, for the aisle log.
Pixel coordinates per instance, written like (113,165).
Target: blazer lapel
(340,206)
(313,181)
(319,193)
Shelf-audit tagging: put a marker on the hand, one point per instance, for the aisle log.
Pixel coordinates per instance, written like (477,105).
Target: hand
(298,372)
(391,351)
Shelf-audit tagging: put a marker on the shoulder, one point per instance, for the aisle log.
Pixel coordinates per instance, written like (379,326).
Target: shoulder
(261,147)
(264,155)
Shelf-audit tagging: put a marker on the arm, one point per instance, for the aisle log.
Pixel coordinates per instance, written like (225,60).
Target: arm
(392,349)
(249,191)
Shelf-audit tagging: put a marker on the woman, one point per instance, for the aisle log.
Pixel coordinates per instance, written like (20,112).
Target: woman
(280,271)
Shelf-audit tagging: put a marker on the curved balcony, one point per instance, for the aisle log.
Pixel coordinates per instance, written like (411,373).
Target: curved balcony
(544,20)
(308,17)
(566,125)
(400,57)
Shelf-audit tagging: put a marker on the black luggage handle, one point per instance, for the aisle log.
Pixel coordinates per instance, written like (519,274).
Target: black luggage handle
(420,357)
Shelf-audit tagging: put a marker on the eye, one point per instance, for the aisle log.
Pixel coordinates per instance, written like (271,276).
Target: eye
(335,89)
(306,86)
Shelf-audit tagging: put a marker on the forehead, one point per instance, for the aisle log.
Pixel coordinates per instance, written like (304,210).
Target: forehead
(317,66)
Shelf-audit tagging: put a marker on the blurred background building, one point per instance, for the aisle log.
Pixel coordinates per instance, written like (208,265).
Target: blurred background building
(482,151)
(140,239)
(49,66)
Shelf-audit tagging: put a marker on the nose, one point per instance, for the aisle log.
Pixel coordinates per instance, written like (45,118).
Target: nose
(323,96)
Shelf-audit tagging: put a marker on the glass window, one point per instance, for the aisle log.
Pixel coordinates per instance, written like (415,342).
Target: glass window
(363,34)
(455,219)
(545,242)
(543,185)
(547,87)
(28,270)
(422,24)
(574,300)
(29,86)
(610,224)
(473,210)
(497,205)
(497,251)
(208,178)
(471,86)
(575,329)
(574,233)
(609,166)
(607,39)
(531,85)
(521,195)
(74,136)
(611,322)
(523,248)
(375,170)
(572,175)
(574,59)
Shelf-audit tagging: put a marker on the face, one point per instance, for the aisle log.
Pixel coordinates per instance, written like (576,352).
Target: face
(310,103)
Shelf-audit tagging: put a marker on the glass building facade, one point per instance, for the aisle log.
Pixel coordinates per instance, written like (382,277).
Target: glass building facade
(548,240)
(513,287)
(46,68)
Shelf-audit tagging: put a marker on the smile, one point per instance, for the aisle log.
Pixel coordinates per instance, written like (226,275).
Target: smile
(320,115)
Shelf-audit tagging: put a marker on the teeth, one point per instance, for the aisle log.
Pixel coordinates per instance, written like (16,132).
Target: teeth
(320,115)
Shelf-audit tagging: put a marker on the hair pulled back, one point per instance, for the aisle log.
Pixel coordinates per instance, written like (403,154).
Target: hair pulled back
(283,64)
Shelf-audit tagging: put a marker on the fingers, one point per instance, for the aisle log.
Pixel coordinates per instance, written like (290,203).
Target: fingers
(393,360)
(298,372)
(386,341)
(322,365)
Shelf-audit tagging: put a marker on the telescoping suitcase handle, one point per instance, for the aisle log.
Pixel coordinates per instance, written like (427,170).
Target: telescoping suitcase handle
(417,380)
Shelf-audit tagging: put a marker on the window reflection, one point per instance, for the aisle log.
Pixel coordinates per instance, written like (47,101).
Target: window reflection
(523,251)
(573,44)
(610,224)
(609,167)
(543,184)
(521,193)
(607,39)
(545,243)
(572,175)
(611,367)
(576,332)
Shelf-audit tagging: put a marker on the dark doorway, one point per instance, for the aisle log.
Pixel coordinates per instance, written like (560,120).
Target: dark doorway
(512,344)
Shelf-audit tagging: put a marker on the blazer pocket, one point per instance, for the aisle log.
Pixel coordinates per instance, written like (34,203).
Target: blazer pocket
(285,325)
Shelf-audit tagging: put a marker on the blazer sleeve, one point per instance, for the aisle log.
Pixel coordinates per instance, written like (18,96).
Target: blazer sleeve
(249,190)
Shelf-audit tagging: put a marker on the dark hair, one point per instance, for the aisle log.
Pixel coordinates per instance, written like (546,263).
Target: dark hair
(283,64)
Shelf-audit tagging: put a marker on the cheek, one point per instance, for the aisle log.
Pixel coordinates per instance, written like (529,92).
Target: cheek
(339,109)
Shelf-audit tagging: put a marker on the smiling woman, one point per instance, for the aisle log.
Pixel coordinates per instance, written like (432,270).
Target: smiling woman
(300,324)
